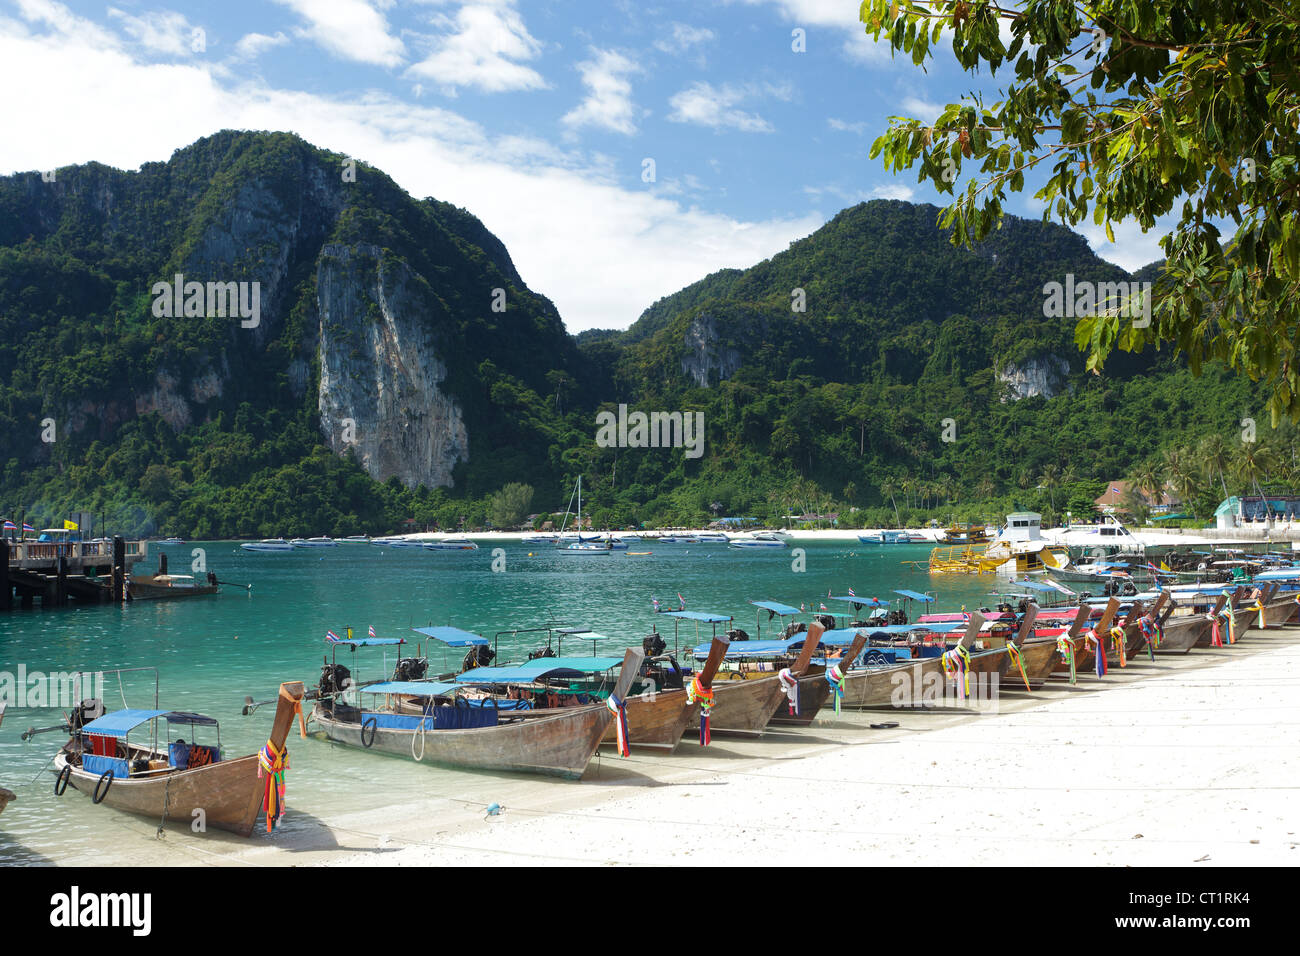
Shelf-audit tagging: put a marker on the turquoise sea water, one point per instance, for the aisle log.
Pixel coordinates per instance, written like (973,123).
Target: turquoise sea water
(212,651)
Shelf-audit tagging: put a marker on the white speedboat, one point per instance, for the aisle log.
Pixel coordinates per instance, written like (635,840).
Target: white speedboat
(754,542)
(551,539)
(319,542)
(267,544)
(353,539)
(712,537)
(451,544)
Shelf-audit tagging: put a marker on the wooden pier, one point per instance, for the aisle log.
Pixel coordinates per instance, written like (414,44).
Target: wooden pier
(59,572)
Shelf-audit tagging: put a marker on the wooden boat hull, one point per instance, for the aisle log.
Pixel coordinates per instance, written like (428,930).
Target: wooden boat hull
(228,793)
(902,685)
(813,691)
(559,746)
(1039,658)
(1244,622)
(144,591)
(744,706)
(1280,611)
(657,722)
(1182,632)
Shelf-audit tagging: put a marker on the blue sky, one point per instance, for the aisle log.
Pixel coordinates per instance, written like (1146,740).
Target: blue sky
(536,116)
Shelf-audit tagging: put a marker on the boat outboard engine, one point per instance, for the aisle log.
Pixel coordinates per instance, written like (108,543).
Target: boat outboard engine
(736,634)
(546,651)
(653,645)
(212,578)
(410,668)
(826,621)
(793,629)
(480,655)
(90,708)
(334,679)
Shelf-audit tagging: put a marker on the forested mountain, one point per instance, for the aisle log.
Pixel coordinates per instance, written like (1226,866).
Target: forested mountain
(399,367)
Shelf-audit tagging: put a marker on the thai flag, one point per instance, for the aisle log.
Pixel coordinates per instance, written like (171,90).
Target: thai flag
(372,630)
(823,607)
(682,601)
(851,594)
(655,602)
(10,526)
(801,607)
(27,527)
(331,637)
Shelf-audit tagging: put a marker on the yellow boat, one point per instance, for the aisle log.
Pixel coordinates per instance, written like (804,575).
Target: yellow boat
(1018,550)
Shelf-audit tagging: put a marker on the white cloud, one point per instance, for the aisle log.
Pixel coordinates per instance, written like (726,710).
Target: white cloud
(836,15)
(1132,248)
(253,45)
(683,37)
(161,31)
(893,191)
(350,29)
(484,45)
(575,234)
(843,126)
(921,109)
(706,105)
(608,102)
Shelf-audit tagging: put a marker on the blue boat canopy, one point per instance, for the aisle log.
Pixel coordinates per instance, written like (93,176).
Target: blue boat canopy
(452,636)
(915,595)
(536,670)
(700,616)
(1034,586)
(121,722)
(860,601)
(776,607)
(416,688)
(370,642)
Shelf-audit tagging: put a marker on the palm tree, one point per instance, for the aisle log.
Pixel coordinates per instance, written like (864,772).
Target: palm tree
(1215,457)
(1257,461)
(1149,479)
(1049,481)
(887,490)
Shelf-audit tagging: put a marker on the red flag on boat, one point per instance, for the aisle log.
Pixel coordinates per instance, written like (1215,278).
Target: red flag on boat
(372,630)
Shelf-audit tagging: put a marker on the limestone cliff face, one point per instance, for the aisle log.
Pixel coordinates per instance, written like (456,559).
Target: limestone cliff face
(704,354)
(1042,375)
(379,391)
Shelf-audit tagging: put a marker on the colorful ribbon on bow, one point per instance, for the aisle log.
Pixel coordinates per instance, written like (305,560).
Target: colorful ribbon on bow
(1117,635)
(619,709)
(1231,615)
(956,666)
(1013,652)
(790,687)
(271,765)
(695,691)
(835,677)
(1258,606)
(1152,632)
(1092,640)
(1065,647)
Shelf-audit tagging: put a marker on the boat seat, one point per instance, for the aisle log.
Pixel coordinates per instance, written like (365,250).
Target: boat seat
(97,765)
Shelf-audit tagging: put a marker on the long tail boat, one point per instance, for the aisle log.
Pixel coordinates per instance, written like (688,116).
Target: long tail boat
(178,781)
(1086,642)
(813,686)
(902,685)
(659,719)
(748,706)
(1278,607)
(1021,660)
(480,738)
(1179,633)
(1141,630)
(1231,624)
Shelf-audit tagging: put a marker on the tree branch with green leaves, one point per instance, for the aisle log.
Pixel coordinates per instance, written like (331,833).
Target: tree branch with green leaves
(1135,109)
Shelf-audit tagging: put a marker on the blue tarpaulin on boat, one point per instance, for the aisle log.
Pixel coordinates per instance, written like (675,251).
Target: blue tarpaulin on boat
(102,765)
(536,670)
(777,607)
(741,649)
(844,635)
(699,616)
(452,636)
(914,595)
(1035,586)
(416,688)
(120,722)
